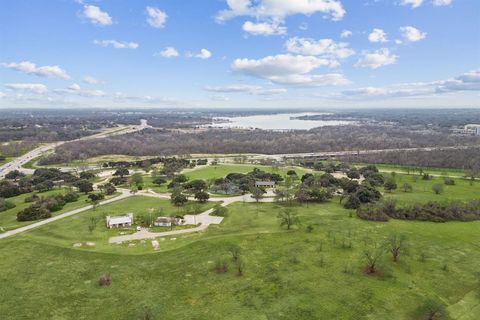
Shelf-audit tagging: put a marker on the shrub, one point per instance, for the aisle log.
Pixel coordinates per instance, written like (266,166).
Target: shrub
(116,181)
(371,212)
(449,181)
(34,212)
(432,310)
(352,202)
(104,280)
(221,266)
(219,211)
(5,205)
(32,198)
(44,186)
(71,197)
(431,211)
(437,188)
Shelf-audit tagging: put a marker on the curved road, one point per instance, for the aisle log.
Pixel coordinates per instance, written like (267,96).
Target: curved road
(19,162)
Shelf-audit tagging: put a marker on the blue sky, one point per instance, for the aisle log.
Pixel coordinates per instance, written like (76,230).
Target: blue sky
(240,53)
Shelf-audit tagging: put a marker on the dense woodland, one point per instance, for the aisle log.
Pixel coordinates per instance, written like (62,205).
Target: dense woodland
(164,142)
(468,159)
(439,118)
(59,125)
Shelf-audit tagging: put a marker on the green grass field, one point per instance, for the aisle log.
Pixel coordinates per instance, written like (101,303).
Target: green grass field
(412,170)
(221,170)
(292,274)
(288,274)
(463,190)
(7,160)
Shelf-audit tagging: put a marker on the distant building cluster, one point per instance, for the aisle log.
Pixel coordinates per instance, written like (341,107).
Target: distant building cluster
(469,129)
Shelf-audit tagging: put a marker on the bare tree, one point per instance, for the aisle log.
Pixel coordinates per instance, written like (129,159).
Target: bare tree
(396,244)
(372,255)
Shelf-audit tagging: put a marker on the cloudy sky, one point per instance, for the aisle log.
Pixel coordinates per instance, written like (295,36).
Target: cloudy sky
(240,53)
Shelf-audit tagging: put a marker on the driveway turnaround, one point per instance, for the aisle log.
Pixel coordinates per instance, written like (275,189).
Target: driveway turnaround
(202,220)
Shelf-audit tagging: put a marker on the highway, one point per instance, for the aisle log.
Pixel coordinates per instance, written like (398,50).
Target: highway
(19,162)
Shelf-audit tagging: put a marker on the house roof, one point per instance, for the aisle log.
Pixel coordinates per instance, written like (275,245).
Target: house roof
(265,183)
(120,220)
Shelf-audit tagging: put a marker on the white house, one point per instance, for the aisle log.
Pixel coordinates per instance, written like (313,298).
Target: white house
(120,221)
(265,184)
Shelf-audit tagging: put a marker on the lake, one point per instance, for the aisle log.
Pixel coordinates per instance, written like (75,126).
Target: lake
(280,122)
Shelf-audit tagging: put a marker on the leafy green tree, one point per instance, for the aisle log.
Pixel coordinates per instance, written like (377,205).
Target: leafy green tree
(121,172)
(178,198)
(390,185)
(84,186)
(352,202)
(137,180)
(407,187)
(202,196)
(257,193)
(288,218)
(159,181)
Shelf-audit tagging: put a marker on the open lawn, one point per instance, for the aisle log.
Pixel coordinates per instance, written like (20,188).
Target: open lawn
(463,190)
(417,170)
(292,274)
(221,170)
(6,160)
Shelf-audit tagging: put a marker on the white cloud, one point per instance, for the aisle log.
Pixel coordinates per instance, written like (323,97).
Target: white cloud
(90,80)
(326,48)
(377,35)
(245,88)
(418,3)
(412,3)
(376,59)
(289,69)
(116,44)
(2,95)
(74,87)
(169,52)
(264,28)
(156,17)
(37,88)
(270,92)
(31,68)
(96,15)
(441,2)
(77,90)
(412,34)
(469,81)
(203,54)
(303,26)
(219,98)
(345,34)
(277,10)
(235,88)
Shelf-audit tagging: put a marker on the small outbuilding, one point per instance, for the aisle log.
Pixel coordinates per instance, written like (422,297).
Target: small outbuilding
(166,221)
(265,184)
(120,221)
